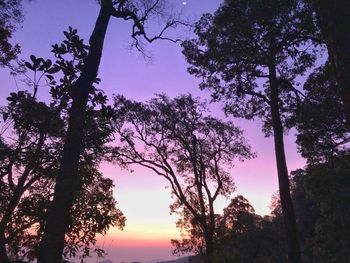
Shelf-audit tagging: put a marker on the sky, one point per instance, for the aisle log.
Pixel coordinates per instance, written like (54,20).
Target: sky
(141,195)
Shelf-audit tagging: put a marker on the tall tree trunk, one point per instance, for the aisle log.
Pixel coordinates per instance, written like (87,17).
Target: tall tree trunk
(209,246)
(291,232)
(211,228)
(334,20)
(67,183)
(3,253)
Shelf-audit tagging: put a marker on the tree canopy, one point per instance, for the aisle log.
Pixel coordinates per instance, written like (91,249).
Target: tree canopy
(249,54)
(261,59)
(67,182)
(232,55)
(11,15)
(176,139)
(32,141)
(322,128)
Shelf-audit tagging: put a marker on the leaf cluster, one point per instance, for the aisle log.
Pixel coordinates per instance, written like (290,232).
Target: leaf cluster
(11,15)
(321,125)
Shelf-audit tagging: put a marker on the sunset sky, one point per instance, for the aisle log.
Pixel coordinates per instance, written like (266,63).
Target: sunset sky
(141,195)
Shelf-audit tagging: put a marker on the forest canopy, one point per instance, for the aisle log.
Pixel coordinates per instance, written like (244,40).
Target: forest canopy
(279,64)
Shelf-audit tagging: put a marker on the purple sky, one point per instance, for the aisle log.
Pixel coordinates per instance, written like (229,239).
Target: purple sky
(142,195)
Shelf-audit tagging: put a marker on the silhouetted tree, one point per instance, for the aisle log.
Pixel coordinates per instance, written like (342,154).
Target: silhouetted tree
(243,236)
(11,15)
(249,54)
(328,187)
(334,19)
(67,183)
(322,129)
(306,212)
(323,186)
(320,194)
(178,141)
(320,190)
(237,218)
(32,139)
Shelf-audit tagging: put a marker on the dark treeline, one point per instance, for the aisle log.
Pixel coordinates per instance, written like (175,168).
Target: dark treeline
(251,55)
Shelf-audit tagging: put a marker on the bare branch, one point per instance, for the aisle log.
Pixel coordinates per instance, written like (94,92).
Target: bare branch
(140,18)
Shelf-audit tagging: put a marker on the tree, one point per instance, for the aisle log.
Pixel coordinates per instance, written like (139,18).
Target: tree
(328,187)
(237,220)
(11,15)
(333,20)
(249,54)
(178,141)
(31,147)
(320,195)
(67,183)
(323,133)
(25,154)
(243,236)
(324,184)
(320,190)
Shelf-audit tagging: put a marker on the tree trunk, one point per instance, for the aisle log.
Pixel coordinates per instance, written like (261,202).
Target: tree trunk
(3,253)
(209,246)
(67,183)
(334,20)
(291,232)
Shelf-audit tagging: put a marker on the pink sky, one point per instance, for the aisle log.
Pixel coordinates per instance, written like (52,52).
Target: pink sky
(142,196)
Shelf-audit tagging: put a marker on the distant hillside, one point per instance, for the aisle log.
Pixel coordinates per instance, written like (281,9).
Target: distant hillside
(180,260)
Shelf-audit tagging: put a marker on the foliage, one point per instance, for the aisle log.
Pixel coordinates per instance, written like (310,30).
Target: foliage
(243,236)
(249,54)
(322,129)
(11,15)
(233,52)
(32,143)
(320,195)
(321,190)
(329,189)
(67,183)
(333,21)
(177,140)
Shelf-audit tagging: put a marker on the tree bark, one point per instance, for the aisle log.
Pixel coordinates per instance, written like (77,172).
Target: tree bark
(334,21)
(3,253)
(67,183)
(291,232)
(209,246)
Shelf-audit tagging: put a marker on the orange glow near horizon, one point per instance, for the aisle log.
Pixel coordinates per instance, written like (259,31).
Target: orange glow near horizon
(144,232)
(138,242)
